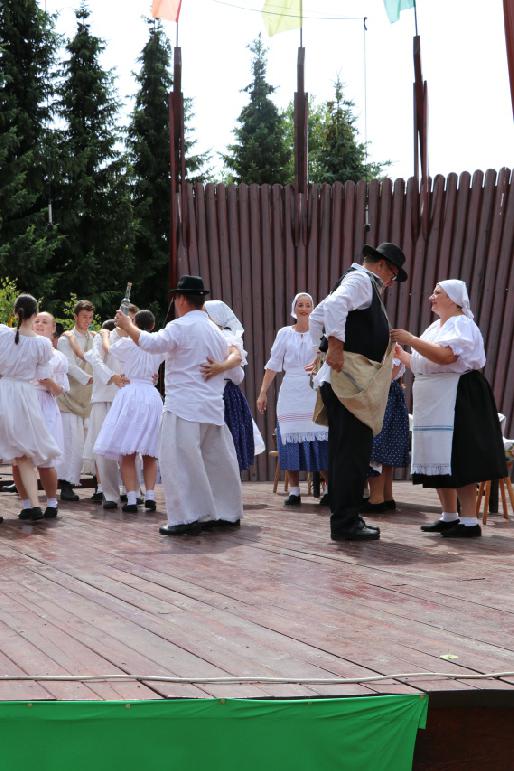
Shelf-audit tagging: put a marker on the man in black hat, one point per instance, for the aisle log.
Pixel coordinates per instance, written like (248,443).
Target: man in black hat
(354,319)
(197,459)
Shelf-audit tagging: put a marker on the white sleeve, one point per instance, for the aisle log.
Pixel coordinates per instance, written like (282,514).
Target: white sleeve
(353,294)
(73,369)
(61,373)
(101,371)
(278,350)
(165,341)
(316,323)
(44,358)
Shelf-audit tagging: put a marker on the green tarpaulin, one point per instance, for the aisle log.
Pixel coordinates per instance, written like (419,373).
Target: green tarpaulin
(374,733)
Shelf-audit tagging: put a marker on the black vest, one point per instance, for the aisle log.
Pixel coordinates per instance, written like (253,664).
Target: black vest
(367,331)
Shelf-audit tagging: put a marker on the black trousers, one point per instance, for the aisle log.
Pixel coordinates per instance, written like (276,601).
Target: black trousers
(350,443)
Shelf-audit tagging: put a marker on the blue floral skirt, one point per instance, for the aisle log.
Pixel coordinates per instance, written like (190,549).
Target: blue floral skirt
(391,445)
(239,420)
(302,456)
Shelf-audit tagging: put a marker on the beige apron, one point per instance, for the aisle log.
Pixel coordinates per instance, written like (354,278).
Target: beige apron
(78,398)
(362,387)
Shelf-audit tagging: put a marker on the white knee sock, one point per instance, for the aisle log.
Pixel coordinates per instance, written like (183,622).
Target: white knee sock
(294,491)
(131,497)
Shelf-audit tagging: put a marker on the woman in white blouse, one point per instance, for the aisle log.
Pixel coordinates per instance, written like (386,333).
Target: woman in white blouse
(456,437)
(302,444)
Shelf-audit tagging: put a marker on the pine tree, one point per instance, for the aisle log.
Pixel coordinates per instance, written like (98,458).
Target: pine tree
(94,212)
(27,53)
(335,154)
(260,153)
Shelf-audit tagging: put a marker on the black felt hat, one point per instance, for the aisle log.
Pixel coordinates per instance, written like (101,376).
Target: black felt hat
(391,253)
(190,285)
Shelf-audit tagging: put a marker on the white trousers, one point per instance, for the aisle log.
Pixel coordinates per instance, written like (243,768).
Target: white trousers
(108,469)
(69,465)
(199,470)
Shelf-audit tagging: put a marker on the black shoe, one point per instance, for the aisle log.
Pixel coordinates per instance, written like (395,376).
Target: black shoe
(212,523)
(390,505)
(439,526)
(1,520)
(50,512)
(372,508)
(463,531)
(97,497)
(25,514)
(150,505)
(9,488)
(130,508)
(108,504)
(365,524)
(324,500)
(123,498)
(68,493)
(191,529)
(357,534)
(36,514)
(293,500)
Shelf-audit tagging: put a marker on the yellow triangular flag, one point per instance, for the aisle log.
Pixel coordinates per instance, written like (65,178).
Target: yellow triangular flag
(281,15)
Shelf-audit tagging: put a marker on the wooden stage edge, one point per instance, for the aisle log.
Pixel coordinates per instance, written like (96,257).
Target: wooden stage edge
(99,593)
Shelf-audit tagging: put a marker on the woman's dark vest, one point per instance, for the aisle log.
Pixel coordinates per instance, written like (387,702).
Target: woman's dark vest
(366,331)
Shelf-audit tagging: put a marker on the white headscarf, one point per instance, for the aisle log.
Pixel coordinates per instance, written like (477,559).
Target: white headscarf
(458,292)
(293,304)
(223,316)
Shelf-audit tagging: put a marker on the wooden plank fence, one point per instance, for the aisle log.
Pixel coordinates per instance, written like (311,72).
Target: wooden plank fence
(256,246)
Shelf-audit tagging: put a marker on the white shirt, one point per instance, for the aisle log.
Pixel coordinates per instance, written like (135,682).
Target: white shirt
(137,363)
(104,367)
(64,346)
(187,343)
(355,293)
(58,372)
(28,360)
(291,350)
(459,333)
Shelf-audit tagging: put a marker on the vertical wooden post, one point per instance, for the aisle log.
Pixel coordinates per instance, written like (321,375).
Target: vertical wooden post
(177,168)
(300,127)
(421,135)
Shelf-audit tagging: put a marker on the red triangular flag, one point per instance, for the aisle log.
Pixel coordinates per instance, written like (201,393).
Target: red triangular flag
(166,9)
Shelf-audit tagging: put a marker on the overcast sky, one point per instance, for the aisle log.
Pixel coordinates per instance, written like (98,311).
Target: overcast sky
(463,57)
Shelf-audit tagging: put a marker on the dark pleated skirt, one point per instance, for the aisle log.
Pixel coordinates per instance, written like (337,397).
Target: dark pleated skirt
(239,420)
(302,456)
(391,445)
(477,448)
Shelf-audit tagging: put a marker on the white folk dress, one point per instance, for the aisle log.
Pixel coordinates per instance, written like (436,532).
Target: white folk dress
(51,412)
(132,423)
(23,431)
(303,445)
(456,436)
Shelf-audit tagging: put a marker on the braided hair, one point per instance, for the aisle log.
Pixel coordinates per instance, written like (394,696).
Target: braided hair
(25,307)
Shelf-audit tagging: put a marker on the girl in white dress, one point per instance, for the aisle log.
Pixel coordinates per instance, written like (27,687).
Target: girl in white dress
(132,423)
(25,440)
(47,390)
(302,444)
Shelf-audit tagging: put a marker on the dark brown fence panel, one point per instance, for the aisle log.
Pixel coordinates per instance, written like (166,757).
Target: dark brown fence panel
(257,246)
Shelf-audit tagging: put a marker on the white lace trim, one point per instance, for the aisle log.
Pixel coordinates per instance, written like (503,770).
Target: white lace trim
(311,436)
(432,469)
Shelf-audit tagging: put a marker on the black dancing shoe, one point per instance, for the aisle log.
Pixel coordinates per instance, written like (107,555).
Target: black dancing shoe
(439,526)
(356,534)
(463,531)
(221,523)
(150,505)
(9,488)
(372,508)
(192,529)
(36,514)
(50,512)
(390,505)
(108,504)
(25,514)
(68,494)
(293,500)
(324,500)
(130,508)
(123,498)
(97,497)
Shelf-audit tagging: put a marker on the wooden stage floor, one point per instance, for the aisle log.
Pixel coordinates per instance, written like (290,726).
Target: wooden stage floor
(100,593)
